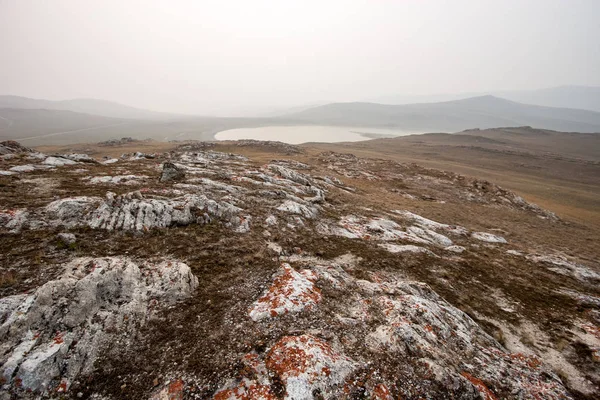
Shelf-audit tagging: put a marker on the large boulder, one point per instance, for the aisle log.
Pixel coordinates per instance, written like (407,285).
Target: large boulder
(56,333)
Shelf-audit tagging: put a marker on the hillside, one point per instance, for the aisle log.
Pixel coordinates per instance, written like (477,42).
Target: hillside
(477,112)
(568,96)
(28,124)
(86,106)
(36,127)
(259,270)
(558,170)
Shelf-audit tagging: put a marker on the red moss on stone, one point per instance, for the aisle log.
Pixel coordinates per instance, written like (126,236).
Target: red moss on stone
(481,387)
(381,392)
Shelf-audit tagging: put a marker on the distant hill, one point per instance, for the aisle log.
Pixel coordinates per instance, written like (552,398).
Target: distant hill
(476,112)
(88,106)
(571,96)
(523,139)
(19,123)
(582,97)
(35,127)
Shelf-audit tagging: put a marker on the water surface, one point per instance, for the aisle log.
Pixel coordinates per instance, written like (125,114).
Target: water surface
(310,133)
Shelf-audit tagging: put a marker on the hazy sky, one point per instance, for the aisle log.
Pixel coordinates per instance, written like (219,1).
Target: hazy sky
(224,57)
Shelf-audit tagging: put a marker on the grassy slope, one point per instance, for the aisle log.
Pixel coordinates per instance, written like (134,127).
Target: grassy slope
(560,172)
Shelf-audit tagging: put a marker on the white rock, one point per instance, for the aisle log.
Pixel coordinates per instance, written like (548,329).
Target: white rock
(290,292)
(22,168)
(303,364)
(78,157)
(133,212)
(488,237)
(118,179)
(429,235)
(58,161)
(293,207)
(430,224)
(67,238)
(455,249)
(78,315)
(563,266)
(290,174)
(394,248)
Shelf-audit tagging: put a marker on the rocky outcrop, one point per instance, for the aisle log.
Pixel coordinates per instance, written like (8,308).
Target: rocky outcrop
(133,212)
(79,157)
(58,161)
(438,347)
(54,334)
(488,237)
(420,230)
(116,180)
(290,292)
(13,147)
(406,342)
(314,327)
(305,365)
(13,220)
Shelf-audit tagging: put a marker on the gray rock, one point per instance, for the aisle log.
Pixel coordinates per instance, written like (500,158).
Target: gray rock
(58,161)
(14,220)
(171,172)
(133,212)
(78,157)
(67,238)
(57,332)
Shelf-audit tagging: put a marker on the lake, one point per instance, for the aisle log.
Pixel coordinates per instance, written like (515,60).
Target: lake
(309,133)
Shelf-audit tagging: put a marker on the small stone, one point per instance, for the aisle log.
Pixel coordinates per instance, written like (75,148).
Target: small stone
(67,238)
(171,172)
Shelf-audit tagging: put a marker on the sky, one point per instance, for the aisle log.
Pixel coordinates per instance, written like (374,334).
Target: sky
(251,56)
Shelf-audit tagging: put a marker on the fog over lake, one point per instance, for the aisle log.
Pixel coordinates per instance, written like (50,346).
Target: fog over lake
(310,133)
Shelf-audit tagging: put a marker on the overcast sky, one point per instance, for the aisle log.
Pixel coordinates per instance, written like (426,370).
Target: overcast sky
(231,57)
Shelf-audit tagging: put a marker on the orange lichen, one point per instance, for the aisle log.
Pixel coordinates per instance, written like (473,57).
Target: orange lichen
(62,387)
(245,391)
(480,386)
(58,338)
(289,292)
(531,361)
(175,390)
(381,392)
(289,356)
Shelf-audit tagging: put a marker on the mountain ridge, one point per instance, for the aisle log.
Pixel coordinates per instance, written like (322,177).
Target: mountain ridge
(100,107)
(564,96)
(476,112)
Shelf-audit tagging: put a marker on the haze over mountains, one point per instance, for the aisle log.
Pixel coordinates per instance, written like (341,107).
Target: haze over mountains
(568,96)
(102,108)
(450,116)
(70,121)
